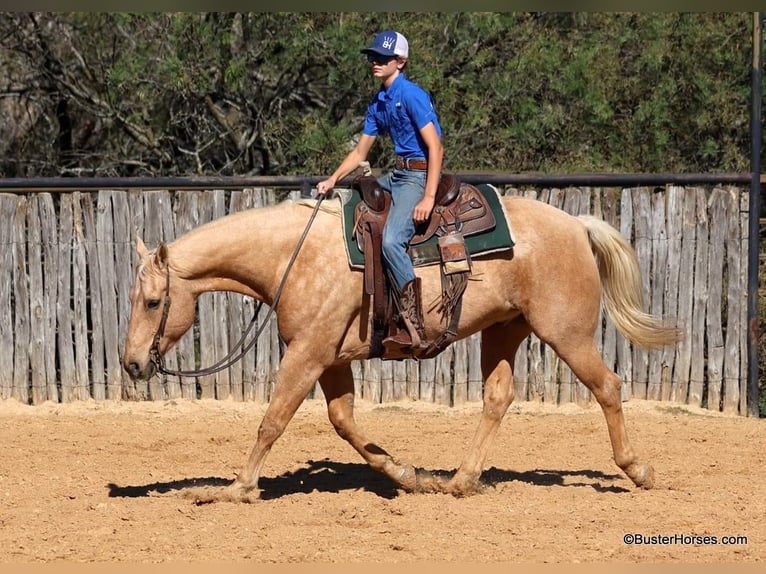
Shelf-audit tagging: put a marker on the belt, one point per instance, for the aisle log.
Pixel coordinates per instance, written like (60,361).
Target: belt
(418,164)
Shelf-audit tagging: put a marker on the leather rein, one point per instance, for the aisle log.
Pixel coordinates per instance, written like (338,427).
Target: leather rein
(240,349)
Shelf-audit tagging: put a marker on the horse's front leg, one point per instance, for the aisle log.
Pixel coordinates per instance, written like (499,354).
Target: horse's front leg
(298,372)
(338,387)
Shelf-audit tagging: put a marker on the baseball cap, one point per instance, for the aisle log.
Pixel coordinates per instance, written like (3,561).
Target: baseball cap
(388,43)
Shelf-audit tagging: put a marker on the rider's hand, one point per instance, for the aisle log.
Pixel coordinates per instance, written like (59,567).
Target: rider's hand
(324,186)
(423,210)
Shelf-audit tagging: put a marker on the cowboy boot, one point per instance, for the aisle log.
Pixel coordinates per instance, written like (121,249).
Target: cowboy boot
(411,314)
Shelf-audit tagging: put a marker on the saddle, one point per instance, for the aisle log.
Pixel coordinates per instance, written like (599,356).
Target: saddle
(458,208)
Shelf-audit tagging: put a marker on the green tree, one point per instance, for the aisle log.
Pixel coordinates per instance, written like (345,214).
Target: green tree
(285,93)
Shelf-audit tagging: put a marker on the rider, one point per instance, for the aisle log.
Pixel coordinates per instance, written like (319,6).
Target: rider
(404,111)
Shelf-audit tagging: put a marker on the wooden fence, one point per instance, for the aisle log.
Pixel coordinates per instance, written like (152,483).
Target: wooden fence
(68,262)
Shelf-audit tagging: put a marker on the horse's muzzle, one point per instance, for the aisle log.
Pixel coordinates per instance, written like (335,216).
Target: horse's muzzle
(136,371)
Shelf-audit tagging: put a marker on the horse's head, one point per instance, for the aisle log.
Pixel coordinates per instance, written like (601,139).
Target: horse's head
(155,282)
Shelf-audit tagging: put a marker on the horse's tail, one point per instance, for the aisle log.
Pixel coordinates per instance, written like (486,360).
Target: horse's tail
(622,289)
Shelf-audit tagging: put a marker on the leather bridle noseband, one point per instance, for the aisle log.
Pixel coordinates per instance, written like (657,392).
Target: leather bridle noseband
(154,351)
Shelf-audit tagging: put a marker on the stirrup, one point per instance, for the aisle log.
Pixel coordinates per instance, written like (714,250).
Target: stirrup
(401,338)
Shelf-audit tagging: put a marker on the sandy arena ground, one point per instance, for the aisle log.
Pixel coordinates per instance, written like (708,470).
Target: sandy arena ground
(105,482)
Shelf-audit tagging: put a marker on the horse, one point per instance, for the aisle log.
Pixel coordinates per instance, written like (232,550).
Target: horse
(561,271)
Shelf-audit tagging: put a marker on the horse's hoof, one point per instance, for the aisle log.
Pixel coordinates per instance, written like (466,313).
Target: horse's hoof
(642,475)
(237,492)
(464,487)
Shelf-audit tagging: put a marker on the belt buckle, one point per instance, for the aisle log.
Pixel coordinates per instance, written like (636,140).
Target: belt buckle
(407,162)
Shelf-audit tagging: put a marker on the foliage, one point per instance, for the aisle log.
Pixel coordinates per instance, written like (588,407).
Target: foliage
(285,93)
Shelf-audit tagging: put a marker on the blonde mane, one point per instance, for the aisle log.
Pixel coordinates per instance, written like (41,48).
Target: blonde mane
(332,206)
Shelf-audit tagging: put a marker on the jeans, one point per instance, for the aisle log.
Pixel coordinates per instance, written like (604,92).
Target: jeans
(407,188)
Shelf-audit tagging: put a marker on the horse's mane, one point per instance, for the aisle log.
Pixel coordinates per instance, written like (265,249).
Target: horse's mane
(332,206)
(146,265)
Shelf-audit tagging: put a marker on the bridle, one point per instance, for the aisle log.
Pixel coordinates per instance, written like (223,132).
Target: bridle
(240,349)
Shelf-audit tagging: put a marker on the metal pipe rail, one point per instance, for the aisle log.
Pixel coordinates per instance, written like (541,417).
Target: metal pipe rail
(64,184)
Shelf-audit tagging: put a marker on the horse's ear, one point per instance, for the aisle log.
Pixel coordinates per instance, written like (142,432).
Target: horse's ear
(161,255)
(141,248)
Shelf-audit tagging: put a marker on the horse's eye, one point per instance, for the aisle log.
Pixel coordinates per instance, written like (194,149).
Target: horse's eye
(153,304)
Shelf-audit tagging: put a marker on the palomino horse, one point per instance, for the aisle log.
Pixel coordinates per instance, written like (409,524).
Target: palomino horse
(552,284)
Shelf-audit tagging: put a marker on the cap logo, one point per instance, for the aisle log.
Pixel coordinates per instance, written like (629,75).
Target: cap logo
(388,42)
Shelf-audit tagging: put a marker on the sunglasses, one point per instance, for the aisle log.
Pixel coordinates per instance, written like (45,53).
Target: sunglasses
(380,60)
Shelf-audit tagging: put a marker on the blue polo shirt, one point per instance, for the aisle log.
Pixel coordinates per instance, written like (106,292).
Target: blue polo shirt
(401,111)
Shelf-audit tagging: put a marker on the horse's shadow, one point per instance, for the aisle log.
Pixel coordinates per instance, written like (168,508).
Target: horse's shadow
(330,476)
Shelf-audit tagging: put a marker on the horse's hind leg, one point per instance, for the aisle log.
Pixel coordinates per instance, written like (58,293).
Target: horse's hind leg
(498,349)
(498,394)
(585,361)
(338,387)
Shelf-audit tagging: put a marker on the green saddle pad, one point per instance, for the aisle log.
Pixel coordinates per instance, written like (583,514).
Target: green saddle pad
(427,253)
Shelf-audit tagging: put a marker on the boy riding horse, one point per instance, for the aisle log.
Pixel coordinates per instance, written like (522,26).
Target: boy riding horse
(405,111)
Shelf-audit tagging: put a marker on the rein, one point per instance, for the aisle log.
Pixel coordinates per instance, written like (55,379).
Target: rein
(154,352)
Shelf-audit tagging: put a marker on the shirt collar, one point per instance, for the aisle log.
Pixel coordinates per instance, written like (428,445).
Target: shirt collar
(393,88)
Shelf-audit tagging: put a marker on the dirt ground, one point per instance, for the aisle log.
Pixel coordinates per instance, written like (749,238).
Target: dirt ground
(105,482)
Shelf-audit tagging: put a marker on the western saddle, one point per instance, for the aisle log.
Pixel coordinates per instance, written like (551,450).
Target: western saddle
(459,208)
